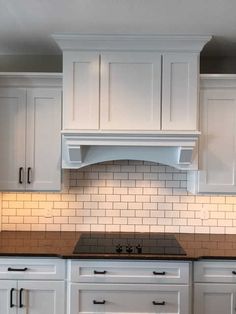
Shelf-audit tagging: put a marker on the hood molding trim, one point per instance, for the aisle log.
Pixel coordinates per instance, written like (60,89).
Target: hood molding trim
(80,150)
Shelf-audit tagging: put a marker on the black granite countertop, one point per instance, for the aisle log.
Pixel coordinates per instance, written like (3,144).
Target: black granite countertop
(61,244)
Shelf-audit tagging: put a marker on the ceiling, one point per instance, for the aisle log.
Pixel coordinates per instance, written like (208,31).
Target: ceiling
(26,25)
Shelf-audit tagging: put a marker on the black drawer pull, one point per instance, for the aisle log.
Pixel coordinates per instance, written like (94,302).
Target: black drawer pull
(96,272)
(20,301)
(99,302)
(11,297)
(158,303)
(234,272)
(17,269)
(161,273)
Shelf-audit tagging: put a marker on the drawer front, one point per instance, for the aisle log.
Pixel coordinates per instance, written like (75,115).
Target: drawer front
(99,298)
(32,268)
(215,271)
(128,272)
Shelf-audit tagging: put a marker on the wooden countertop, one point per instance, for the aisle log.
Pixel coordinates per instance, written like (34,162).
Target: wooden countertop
(61,244)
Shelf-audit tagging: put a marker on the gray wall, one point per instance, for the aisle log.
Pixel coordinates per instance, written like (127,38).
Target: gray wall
(30,63)
(221,65)
(53,63)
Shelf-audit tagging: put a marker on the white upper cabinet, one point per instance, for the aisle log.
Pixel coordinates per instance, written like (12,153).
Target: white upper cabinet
(218,142)
(217,156)
(130,83)
(30,124)
(180,91)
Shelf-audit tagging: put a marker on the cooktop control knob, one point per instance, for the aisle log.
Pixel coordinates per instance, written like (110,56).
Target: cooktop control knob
(139,249)
(129,249)
(118,248)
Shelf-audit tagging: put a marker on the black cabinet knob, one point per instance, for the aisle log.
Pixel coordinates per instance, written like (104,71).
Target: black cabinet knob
(129,249)
(139,249)
(119,248)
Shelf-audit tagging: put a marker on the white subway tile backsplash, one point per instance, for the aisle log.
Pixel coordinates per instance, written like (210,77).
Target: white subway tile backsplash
(120,196)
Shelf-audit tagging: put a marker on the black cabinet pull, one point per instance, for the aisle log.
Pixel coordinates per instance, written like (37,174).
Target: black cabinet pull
(161,273)
(234,272)
(99,302)
(20,300)
(96,272)
(28,175)
(20,175)
(17,269)
(11,297)
(158,303)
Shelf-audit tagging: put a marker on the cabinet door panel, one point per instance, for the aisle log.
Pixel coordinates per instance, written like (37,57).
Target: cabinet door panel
(5,295)
(43,139)
(214,299)
(179,91)
(12,137)
(130,91)
(41,297)
(218,140)
(81,90)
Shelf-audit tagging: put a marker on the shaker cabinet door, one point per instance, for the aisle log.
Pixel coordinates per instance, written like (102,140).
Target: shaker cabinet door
(12,138)
(41,297)
(180,91)
(81,90)
(43,151)
(8,297)
(214,299)
(130,91)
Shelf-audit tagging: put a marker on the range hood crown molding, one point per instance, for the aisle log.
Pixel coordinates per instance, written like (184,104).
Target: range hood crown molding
(193,43)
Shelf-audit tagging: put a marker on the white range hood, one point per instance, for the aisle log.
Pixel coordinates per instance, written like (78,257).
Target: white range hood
(130,97)
(173,149)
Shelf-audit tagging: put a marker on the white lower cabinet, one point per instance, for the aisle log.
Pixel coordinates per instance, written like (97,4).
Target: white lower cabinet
(214,287)
(148,288)
(214,298)
(21,296)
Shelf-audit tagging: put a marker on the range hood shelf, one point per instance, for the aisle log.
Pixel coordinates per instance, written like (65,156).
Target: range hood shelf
(170,148)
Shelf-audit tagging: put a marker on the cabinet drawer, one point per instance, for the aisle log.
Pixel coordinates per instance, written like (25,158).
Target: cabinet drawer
(215,271)
(128,272)
(99,298)
(38,268)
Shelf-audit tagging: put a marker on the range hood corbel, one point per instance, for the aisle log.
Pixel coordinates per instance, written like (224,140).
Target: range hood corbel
(173,149)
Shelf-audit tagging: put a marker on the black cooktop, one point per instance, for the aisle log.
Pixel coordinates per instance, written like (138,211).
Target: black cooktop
(128,243)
